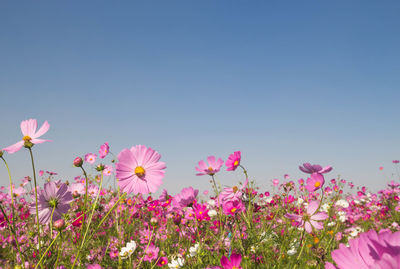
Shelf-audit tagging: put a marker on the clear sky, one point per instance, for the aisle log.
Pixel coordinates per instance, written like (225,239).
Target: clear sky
(285,82)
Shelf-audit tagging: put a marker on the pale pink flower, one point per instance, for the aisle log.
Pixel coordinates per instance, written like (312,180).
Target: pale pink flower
(213,166)
(139,170)
(232,193)
(275,182)
(90,158)
(108,169)
(310,218)
(28,129)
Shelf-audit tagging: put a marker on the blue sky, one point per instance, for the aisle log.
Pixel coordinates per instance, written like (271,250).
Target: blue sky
(285,82)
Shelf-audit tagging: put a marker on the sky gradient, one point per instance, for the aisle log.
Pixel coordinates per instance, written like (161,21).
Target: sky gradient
(285,82)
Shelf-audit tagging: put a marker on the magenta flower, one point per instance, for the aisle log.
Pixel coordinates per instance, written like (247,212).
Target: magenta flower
(162,261)
(314,168)
(104,150)
(213,166)
(52,197)
(151,253)
(233,263)
(315,182)
(90,158)
(201,212)
(139,170)
(184,198)
(28,129)
(370,250)
(94,266)
(233,161)
(310,218)
(233,207)
(395,161)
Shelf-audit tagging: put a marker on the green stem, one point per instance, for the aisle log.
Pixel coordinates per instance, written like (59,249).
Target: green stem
(48,248)
(88,225)
(12,211)
(86,196)
(148,244)
(36,199)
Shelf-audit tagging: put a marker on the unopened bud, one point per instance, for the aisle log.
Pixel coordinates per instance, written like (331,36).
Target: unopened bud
(78,162)
(59,224)
(28,144)
(177,219)
(100,167)
(153,221)
(1,153)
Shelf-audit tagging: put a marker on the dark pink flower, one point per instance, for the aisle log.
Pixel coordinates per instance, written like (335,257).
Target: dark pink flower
(28,129)
(139,170)
(213,166)
(233,207)
(201,212)
(232,263)
(104,150)
(162,261)
(233,161)
(315,182)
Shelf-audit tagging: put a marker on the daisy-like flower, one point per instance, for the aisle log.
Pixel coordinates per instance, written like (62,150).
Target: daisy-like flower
(139,170)
(104,150)
(233,161)
(213,166)
(232,193)
(108,169)
(30,135)
(151,253)
(314,168)
(315,182)
(127,251)
(52,197)
(176,262)
(309,219)
(90,158)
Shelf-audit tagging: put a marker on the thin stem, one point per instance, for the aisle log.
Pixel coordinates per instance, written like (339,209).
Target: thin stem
(36,199)
(90,220)
(148,244)
(86,196)
(12,211)
(48,248)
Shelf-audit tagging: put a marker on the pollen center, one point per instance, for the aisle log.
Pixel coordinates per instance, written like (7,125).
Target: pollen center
(236,163)
(233,210)
(317,184)
(27,138)
(235,189)
(140,172)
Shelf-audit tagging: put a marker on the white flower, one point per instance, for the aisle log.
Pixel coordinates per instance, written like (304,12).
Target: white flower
(128,250)
(325,207)
(211,203)
(292,251)
(212,213)
(176,263)
(330,224)
(193,250)
(299,201)
(131,245)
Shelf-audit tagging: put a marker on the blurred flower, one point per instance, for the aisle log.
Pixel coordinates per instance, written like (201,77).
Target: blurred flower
(233,263)
(78,162)
(310,218)
(28,129)
(90,158)
(232,193)
(275,182)
(151,253)
(162,261)
(184,198)
(233,161)
(108,169)
(139,170)
(51,198)
(213,166)
(314,168)
(176,262)
(103,151)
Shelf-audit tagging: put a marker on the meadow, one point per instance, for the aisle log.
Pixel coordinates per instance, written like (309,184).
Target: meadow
(315,222)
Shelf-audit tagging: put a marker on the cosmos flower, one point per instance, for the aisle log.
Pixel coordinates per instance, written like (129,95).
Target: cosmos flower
(232,263)
(314,168)
(309,219)
(90,158)
(232,193)
(370,250)
(139,171)
(185,197)
(233,161)
(213,166)
(52,197)
(28,129)
(104,150)
(233,207)
(315,182)
(151,253)
(162,261)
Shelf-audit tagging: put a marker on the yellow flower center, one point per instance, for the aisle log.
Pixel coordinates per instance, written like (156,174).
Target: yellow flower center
(27,138)
(211,171)
(234,267)
(236,163)
(233,210)
(140,172)
(317,184)
(235,189)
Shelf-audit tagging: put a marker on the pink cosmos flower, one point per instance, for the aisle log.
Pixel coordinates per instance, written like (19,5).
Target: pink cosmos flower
(28,129)
(104,150)
(370,250)
(233,207)
(108,169)
(233,161)
(310,218)
(275,182)
(201,212)
(94,266)
(51,197)
(184,198)
(232,193)
(162,261)
(314,168)
(233,263)
(139,170)
(213,166)
(90,158)
(396,161)
(315,182)
(151,253)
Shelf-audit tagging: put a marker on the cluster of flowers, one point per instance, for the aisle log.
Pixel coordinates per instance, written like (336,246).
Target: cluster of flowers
(309,224)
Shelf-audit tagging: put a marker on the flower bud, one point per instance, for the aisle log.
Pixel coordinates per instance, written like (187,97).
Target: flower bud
(153,221)
(1,153)
(177,219)
(100,167)
(28,144)
(78,162)
(59,224)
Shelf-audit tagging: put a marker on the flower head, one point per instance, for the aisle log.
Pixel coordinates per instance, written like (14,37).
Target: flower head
(30,135)
(315,182)
(104,150)
(232,263)
(185,197)
(52,198)
(90,158)
(310,218)
(151,253)
(233,161)
(314,168)
(139,170)
(213,166)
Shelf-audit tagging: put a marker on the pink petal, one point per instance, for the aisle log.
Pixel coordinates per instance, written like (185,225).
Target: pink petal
(308,227)
(14,148)
(320,216)
(39,141)
(312,207)
(202,165)
(28,127)
(45,127)
(211,161)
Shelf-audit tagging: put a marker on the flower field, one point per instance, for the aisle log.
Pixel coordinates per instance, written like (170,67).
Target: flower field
(316,222)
